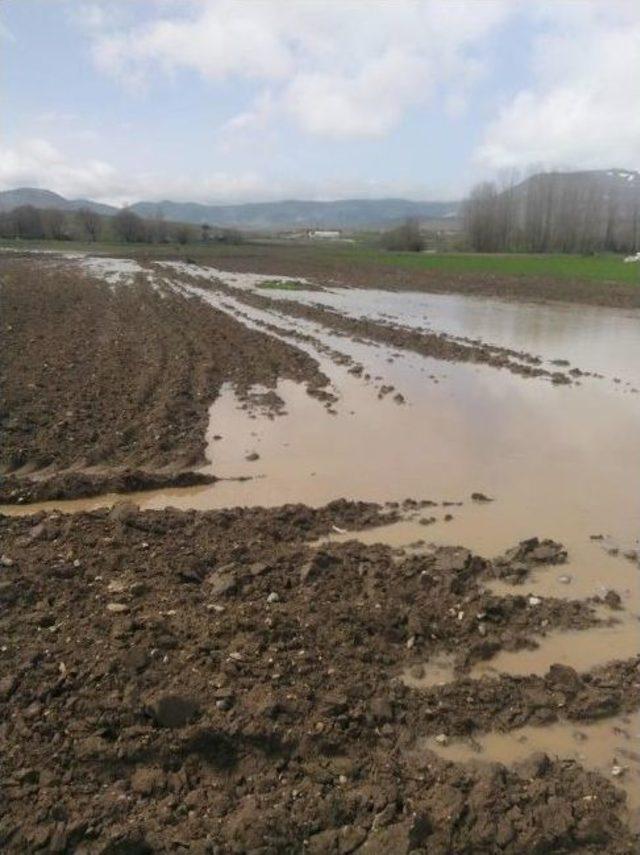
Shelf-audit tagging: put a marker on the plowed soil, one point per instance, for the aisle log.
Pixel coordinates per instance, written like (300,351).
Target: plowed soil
(213,682)
(96,376)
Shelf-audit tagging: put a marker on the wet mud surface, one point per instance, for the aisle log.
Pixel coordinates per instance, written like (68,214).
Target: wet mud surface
(236,688)
(335,271)
(78,485)
(93,375)
(262,677)
(430,344)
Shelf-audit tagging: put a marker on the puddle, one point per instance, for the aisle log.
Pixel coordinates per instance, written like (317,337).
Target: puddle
(601,746)
(561,462)
(581,649)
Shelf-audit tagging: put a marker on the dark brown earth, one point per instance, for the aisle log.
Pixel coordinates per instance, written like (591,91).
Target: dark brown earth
(79,485)
(213,682)
(103,378)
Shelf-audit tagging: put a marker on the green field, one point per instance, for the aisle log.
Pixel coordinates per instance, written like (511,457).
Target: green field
(602,268)
(605,268)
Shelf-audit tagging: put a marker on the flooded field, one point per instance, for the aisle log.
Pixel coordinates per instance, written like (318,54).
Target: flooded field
(534,430)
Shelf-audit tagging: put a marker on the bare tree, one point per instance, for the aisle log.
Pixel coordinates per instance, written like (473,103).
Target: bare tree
(54,224)
(90,223)
(28,222)
(406,237)
(183,234)
(128,226)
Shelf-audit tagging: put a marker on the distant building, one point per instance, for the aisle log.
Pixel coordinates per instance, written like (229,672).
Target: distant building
(325,234)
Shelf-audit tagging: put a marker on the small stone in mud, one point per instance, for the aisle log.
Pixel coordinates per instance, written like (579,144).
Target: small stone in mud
(136,659)
(534,601)
(123,511)
(173,711)
(117,608)
(613,599)
(253,456)
(417,672)
(480,497)
(565,579)
(146,781)
(442,739)
(6,561)
(223,582)
(273,597)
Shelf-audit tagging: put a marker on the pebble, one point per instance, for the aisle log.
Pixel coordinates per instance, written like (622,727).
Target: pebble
(273,597)
(565,579)
(534,601)
(442,739)
(6,561)
(173,711)
(117,608)
(617,771)
(116,587)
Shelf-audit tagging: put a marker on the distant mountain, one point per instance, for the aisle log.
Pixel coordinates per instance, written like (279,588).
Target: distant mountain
(598,184)
(10,199)
(294,214)
(267,216)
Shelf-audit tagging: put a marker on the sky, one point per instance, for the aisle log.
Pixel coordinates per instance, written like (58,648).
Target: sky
(252,100)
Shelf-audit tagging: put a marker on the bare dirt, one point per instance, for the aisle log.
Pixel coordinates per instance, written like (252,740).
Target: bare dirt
(212,681)
(98,377)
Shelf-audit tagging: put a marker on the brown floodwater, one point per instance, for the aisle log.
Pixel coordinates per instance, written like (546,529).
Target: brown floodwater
(611,746)
(559,462)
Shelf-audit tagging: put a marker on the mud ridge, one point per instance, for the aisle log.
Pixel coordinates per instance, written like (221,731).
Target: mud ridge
(430,344)
(80,485)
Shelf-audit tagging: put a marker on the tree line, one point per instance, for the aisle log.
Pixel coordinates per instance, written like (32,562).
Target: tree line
(29,223)
(556,212)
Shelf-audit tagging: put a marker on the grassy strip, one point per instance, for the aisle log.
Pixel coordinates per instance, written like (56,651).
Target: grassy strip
(600,268)
(605,268)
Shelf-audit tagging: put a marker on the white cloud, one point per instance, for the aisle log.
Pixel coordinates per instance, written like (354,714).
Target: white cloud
(37,163)
(582,110)
(339,69)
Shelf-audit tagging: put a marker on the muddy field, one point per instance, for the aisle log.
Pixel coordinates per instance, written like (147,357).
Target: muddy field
(233,657)
(338,270)
(97,377)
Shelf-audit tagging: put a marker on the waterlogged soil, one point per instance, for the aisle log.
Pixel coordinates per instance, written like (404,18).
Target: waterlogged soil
(309,677)
(94,375)
(429,344)
(330,268)
(215,681)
